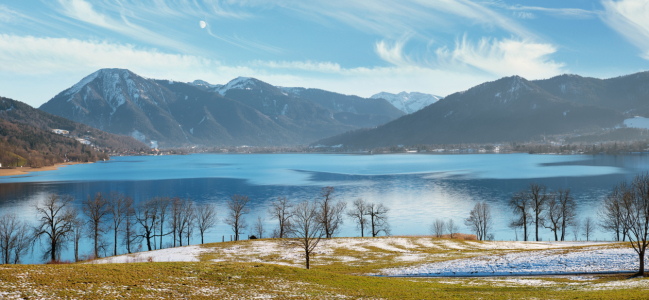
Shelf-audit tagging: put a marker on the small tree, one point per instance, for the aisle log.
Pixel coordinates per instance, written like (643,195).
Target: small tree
(611,213)
(576,228)
(145,216)
(479,220)
(96,210)
(55,220)
(635,205)
(452,228)
(331,212)
(205,218)
(568,208)
(589,227)
(553,216)
(78,231)
(14,238)
(281,210)
(378,218)
(236,211)
(307,229)
(163,205)
(538,197)
(258,228)
(437,228)
(357,212)
(130,237)
(118,206)
(520,204)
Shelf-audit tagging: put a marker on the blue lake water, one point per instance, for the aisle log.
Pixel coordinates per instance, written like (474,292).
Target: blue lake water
(416,187)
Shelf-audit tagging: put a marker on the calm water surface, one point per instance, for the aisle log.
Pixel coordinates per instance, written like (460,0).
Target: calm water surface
(417,188)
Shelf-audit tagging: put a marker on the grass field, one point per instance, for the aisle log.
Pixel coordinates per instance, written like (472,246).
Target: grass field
(273,269)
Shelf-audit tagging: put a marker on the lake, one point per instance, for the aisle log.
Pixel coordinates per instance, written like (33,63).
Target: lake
(416,187)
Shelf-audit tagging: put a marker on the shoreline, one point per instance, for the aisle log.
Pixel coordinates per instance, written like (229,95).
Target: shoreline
(27,170)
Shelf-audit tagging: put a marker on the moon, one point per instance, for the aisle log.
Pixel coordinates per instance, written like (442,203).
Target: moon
(202,23)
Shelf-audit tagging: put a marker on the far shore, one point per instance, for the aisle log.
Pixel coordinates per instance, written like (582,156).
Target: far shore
(27,170)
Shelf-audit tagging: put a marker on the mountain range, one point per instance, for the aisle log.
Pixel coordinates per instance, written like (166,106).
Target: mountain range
(408,102)
(245,111)
(513,109)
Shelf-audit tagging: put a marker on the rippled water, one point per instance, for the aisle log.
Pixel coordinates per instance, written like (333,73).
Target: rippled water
(416,187)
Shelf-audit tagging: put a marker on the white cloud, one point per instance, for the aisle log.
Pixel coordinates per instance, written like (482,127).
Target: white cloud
(571,13)
(497,57)
(61,62)
(630,18)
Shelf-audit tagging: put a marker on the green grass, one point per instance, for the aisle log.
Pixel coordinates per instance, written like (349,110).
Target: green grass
(329,278)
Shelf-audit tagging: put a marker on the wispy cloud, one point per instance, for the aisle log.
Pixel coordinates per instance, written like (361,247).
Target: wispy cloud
(497,57)
(526,12)
(631,19)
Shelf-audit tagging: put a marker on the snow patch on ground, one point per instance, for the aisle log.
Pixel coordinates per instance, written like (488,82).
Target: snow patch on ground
(545,262)
(186,254)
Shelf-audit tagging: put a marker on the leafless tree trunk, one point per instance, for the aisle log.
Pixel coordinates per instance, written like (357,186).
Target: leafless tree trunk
(236,210)
(378,218)
(521,205)
(281,210)
(480,221)
(357,212)
(177,206)
(117,205)
(611,212)
(145,216)
(14,238)
(452,228)
(55,217)
(553,216)
(78,231)
(205,218)
(130,233)
(96,210)
(635,205)
(589,227)
(576,228)
(437,228)
(307,229)
(538,197)
(163,205)
(258,228)
(568,208)
(331,212)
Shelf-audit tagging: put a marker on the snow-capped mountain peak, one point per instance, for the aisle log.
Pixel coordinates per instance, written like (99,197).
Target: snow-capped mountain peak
(408,102)
(237,83)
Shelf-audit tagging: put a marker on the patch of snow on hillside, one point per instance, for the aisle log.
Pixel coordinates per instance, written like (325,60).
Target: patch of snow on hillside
(637,122)
(284,109)
(138,135)
(408,102)
(186,254)
(237,83)
(77,87)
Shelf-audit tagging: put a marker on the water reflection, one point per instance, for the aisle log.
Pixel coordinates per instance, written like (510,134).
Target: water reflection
(417,188)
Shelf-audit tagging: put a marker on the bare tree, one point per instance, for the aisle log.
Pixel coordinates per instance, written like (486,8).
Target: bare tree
(520,204)
(130,237)
(576,228)
(186,218)
(635,204)
(281,210)
(236,210)
(331,212)
(163,205)
(55,219)
(452,228)
(480,220)
(437,228)
(14,238)
(96,210)
(145,215)
(611,212)
(78,231)
(589,227)
(307,229)
(357,212)
(553,216)
(117,205)
(568,208)
(177,207)
(258,228)
(378,218)
(205,218)
(538,197)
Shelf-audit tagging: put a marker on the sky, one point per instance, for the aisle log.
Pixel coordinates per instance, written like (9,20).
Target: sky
(352,47)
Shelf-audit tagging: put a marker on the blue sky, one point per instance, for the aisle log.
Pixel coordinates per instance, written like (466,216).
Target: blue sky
(351,47)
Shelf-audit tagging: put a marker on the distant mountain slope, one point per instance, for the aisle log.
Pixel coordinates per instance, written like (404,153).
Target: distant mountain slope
(244,111)
(408,102)
(509,109)
(628,94)
(353,110)
(19,112)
